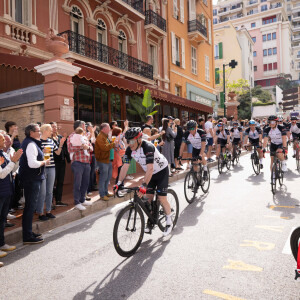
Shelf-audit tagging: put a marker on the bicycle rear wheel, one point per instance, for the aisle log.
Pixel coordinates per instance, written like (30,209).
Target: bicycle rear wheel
(228,162)
(190,187)
(280,174)
(128,230)
(205,183)
(298,159)
(220,163)
(234,154)
(294,242)
(174,204)
(255,163)
(273,178)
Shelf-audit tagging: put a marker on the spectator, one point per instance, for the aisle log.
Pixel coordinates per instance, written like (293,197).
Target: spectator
(80,164)
(177,142)
(8,164)
(103,149)
(201,123)
(32,173)
(91,136)
(209,135)
(60,164)
(149,122)
(12,130)
(168,138)
(46,191)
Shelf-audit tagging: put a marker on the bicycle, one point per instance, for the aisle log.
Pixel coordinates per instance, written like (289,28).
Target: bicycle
(194,179)
(129,226)
(276,173)
(297,156)
(294,243)
(224,159)
(236,152)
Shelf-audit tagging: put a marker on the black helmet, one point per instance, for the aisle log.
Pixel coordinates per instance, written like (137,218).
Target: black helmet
(235,123)
(133,133)
(273,118)
(294,118)
(191,125)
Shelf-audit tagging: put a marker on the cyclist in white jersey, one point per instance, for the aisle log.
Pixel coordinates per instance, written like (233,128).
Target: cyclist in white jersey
(295,131)
(236,133)
(222,139)
(157,172)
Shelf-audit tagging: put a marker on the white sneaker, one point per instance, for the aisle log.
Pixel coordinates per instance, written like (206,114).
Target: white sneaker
(10,217)
(284,167)
(129,177)
(86,203)
(22,201)
(168,229)
(80,207)
(90,194)
(2,253)
(7,248)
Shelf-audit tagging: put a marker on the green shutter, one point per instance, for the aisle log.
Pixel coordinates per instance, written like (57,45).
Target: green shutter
(220,50)
(222,99)
(217,75)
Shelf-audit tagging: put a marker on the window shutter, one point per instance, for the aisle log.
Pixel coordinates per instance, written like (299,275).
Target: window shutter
(220,50)
(192,10)
(222,99)
(209,31)
(217,75)
(183,53)
(173,47)
(175,9)
(182,11)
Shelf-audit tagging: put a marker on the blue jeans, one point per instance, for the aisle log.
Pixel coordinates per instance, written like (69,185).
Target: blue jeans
(105,171)
(31,193)
(81,172)
(4,207)
(46,191)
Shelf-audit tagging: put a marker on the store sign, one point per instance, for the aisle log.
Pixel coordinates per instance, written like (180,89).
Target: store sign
(203,100)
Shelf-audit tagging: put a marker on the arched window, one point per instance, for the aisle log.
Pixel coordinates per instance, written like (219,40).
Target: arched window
(21,11)
(101,32)
(77,20)
(122,41)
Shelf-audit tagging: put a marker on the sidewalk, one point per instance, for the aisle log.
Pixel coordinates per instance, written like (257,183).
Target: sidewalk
(69,214)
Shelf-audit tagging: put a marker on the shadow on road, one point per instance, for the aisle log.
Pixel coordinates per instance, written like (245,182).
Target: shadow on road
(222,177)
(237,168)
(256,179)
(128,276)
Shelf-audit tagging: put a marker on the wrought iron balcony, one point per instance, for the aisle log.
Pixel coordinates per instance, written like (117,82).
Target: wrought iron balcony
(136,4)
(155,19)
(105,54)
(195,25)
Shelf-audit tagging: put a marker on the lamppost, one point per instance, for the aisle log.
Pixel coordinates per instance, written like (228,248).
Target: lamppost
(233,63)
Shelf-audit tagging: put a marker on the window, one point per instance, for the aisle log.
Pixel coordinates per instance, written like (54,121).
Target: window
(274,36)
(275,66)
(215,12)
(101,32)
(194,60)
(255,68)
(270,67)
(21,11)
(152,58)
(219,51)
(206,68)
(265,52)
(269,37)
(122,42)
(215,21)
(274,51)
(254,39)
(264,7)
(175,9)
(269,20)
(177,51)
(254,53)
(205,2)
(264,38)
(252,25)
(217,76)
(178,90)
(265,67)
(263,1)
(270,51)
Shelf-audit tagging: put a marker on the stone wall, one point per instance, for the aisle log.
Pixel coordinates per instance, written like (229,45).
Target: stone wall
(22,115)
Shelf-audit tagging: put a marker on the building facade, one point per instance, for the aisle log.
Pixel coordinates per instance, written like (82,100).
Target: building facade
(270,29)
(121,47)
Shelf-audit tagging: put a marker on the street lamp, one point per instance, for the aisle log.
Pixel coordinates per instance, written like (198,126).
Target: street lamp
(233,63)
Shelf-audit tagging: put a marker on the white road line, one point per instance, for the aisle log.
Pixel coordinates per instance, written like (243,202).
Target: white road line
(287,247)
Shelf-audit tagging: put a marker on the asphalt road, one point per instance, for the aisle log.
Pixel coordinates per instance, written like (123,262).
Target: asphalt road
(232,243)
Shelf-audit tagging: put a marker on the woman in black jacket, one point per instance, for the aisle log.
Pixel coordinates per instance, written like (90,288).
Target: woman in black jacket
(178,141)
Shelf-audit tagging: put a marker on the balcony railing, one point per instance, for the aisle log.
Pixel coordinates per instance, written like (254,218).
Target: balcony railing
(100,52)
(136,4)
(153,18)
(272,6)
(195,25)
(252,12)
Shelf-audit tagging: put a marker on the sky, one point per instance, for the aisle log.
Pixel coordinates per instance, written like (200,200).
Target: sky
(215,2)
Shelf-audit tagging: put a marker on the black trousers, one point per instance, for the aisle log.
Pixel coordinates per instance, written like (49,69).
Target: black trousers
(60,169)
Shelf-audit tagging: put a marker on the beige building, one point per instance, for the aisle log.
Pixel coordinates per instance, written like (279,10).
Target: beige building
(231,43)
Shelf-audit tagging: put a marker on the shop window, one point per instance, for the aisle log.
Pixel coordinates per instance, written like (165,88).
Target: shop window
(175,112)
(85,103)
(167,111)
(101,106)
(131,112)
(115,107)
(184,116)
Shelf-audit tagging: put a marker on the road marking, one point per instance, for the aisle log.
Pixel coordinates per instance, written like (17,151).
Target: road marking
(241,266)
(272,228)
(287,246)
(262,246)
(277,217)
(221,295)
(282,206)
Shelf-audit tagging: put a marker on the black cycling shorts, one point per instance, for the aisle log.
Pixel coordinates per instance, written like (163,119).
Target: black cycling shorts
(222,142)
(296,136)
(274,147)
(236,141)
(254,142)
(160,182)
(196,152)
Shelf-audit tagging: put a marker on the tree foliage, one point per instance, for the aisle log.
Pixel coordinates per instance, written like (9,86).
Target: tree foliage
(284,83)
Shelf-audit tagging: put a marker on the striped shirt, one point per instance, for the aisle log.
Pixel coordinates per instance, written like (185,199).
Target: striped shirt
(50,143)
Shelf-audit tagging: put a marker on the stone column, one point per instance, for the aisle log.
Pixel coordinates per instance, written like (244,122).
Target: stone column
(231,109)
(59,92)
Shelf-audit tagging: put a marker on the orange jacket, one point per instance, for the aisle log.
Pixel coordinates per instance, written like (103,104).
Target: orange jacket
(102,148)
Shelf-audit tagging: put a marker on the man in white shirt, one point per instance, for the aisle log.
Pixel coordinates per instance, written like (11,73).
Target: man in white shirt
(209,135)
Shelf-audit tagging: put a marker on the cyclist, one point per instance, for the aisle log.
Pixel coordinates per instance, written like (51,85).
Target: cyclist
(157,172)
(295,131)
(254,134)
(197,137)
(277,135)
(222,139)
(236,134)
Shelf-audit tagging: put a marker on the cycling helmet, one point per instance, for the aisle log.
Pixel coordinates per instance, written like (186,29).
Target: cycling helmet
(133,133)
(294,118)
(191,125)
(273,118)
(220,125)
(235,123)
(251,122)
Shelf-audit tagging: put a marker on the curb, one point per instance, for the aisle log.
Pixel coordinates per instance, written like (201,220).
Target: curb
(15,236)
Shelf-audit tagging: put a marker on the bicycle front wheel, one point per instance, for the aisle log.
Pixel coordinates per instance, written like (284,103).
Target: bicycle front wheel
(255,164)
(273,178)
(190,187)
(228,163)
(294,242)
(298,159)
(129,230)
(205,183)
(280,174)
(174,204)
(220,163)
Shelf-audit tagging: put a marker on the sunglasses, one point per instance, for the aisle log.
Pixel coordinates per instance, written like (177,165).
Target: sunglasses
(131,142)
(273,122)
